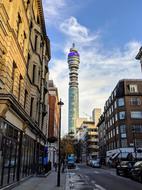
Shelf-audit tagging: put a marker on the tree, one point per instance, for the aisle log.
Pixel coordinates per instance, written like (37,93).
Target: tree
(67,146)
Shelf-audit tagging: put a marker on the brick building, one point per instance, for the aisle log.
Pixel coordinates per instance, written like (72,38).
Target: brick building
(53,124)
(102,137)
(123,120)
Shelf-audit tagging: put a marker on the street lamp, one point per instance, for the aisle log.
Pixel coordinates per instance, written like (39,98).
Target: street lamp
(60,103)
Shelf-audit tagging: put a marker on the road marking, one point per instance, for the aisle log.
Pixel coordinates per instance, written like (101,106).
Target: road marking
(96,172)
(93,182)
(86,176)
(77,168)
(100,187)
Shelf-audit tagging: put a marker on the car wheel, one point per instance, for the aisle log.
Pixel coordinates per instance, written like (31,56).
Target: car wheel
(117,172)
(140,178)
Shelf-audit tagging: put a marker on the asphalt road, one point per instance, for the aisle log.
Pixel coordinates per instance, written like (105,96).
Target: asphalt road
(87,178)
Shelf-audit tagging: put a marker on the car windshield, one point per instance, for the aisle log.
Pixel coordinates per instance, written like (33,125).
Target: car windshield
(138,163)
(95,160)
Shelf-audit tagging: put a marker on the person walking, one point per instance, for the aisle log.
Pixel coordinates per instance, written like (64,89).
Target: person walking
(55,166)
(63,165)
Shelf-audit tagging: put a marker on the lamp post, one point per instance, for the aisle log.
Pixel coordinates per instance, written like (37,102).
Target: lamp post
(60,103)
(134,142)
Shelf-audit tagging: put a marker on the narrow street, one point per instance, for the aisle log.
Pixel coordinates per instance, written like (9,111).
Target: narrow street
(87,178)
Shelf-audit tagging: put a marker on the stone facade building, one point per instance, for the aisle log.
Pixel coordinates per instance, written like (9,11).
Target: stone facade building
(87,134)
(96,113)
(24,57)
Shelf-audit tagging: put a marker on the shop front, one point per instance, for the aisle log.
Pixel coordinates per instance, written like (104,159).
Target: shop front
(20,155)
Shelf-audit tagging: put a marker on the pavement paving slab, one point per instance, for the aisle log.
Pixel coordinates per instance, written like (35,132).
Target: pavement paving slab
(43,183)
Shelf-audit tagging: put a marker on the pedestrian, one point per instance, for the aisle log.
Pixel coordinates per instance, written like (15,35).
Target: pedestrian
(63,165)
(55,166)
(50,165)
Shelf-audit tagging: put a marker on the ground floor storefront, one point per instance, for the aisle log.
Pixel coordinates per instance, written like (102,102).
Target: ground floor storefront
(20,154)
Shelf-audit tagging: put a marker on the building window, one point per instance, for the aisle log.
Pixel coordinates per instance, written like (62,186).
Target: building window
(28,58)
(109,135)
(112,108)
(115,104)
(114,92)
(121,102)
(133,88)
(39,75)
(117,130)
(139,142)
(123,143)
(24,40)
(112,120)
(31,26)
(116,118)
(19,21)
(111,97)
(135,101)
(117,144)
(25,98)
(35,46)
(31,107)
(113,132)
(122,115)
(109,100)
(107,114)
(137,128)
(13,74)
(123,131)
(136,114)
(109,111)
(19,88)
(108,124)
(38,20)
(34,70)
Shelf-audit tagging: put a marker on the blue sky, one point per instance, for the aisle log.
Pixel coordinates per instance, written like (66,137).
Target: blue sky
(107,34)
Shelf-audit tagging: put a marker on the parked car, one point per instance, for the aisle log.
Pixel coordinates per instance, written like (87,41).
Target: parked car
(96,163)
(89,162)
(136,172)
(71,161)
(124,168)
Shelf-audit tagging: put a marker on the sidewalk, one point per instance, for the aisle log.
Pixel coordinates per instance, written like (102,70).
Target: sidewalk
(43,183)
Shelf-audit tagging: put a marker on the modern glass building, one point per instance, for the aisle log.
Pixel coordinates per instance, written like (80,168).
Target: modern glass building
(73,113)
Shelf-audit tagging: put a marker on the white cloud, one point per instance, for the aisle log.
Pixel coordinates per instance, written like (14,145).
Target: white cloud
(76,31)
(53,10)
